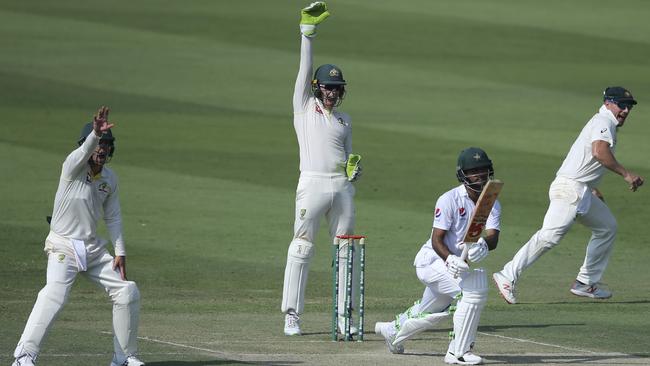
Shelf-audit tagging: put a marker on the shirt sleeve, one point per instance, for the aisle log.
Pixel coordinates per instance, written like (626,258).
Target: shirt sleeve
(78,159)
(302,89)
(602,130)
(113,219)
(443,214)
(494,220)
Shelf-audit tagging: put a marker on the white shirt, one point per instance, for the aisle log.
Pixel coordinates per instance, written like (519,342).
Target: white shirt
(580,164)
(453,212)
(324,138)
(82,200)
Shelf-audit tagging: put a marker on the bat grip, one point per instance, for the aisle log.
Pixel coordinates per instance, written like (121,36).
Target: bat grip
(463,255)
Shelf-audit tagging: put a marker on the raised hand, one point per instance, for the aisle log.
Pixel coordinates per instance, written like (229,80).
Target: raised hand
(312,15)
(100,121)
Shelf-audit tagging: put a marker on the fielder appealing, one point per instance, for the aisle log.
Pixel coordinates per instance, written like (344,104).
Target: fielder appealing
(87,191)
(324,188)
(573,195)
(445,275)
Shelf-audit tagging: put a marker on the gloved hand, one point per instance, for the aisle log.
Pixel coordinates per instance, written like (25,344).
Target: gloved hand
(311,16)
(353,167)
(456,266)
(477,251)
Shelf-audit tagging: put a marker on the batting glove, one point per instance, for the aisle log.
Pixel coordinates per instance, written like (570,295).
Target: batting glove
(477,251)
(311,16)
(353,167)
(456,266)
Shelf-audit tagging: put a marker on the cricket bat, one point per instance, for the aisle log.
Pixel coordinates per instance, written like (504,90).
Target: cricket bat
(481,212)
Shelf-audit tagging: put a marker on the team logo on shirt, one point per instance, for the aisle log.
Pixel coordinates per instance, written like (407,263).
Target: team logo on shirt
(104,188)
(438,212)
(461,212)
(318,110)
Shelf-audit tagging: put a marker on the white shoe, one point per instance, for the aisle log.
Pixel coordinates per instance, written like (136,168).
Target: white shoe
(291,324)
(24,360)
(353,329)
(387,330)
(129,361)
(467,359)
(506,287)
(593,291)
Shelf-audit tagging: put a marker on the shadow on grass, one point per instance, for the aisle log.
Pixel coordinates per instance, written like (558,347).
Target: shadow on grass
(222,362)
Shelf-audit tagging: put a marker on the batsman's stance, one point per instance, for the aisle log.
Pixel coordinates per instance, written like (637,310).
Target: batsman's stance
(574,195)
(444,274)
(327,168)
(87,191)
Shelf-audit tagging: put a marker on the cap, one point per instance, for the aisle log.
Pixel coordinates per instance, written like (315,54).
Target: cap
(329,74)
(618,94)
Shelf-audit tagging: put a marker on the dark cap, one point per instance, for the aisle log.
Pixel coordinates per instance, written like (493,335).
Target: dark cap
(472,158)
(618,94)
(329,74)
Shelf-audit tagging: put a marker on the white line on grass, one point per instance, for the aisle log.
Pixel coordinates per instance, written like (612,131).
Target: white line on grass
(554,345)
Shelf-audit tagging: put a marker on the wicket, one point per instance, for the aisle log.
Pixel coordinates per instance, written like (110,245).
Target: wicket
(349,239)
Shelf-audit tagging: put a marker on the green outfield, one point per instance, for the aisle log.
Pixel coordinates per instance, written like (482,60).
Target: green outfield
(200,93)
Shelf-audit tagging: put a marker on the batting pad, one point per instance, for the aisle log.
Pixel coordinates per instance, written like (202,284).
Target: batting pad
(295,275)
(468,312)
(413,326)
(126,315)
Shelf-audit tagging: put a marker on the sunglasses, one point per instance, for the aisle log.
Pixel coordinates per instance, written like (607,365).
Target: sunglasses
(623,105)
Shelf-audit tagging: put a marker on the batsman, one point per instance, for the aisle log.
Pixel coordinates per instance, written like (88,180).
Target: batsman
(88,191)
(441,267)
(327,169)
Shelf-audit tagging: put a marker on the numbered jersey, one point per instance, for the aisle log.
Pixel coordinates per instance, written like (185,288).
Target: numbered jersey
(453,213)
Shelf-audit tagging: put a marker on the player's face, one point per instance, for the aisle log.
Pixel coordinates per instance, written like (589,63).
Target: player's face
(331,94)
(477,177)
(100,155)
(620,110)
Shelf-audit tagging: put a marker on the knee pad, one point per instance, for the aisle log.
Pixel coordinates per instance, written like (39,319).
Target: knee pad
(468,312)
(127,295)
(295,275)
(475,287)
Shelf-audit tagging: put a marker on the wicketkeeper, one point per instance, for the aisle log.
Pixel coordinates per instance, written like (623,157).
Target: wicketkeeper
(447,277)
(327,168)
(88,191)
(574,196)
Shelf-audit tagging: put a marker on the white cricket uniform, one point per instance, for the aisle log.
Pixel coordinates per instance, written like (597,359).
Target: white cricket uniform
(571,198)
(453,212)
(73,247)
(325,142)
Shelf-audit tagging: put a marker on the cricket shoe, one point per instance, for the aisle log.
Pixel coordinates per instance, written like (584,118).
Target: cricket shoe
(506,288)
(341,324)
(593,291)
(24,360)
(467,359)
(388,331)
(129,361)
(291,324)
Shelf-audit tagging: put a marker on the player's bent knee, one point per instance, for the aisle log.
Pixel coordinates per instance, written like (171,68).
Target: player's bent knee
(549,238)
(127,295)
(55,293)
(300,251)
(475,287)
(295,275)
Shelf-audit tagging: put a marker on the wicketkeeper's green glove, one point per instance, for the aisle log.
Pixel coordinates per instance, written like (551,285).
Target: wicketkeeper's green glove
(353,167)
(311,16)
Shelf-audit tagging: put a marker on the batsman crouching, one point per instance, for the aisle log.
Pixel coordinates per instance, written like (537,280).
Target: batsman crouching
(327,170)
(446,275)
(87,191)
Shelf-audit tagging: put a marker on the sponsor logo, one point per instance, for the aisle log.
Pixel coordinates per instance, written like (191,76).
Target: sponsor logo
(462,212)
(341,121)
(318,110)
(89,177)
(603,130)
(438,212)
(303,211)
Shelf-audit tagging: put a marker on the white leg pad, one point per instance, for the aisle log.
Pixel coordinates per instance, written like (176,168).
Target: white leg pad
(419,324)
(295,275)
(468,311)
(126,315)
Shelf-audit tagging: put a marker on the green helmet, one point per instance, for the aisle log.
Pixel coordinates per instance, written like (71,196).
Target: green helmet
(473,158)
(107,136)
(328,74)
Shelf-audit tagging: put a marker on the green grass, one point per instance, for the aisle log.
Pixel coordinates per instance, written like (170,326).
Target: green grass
(207,157)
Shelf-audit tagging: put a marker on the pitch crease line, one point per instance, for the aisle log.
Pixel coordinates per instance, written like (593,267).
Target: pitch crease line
(553,345)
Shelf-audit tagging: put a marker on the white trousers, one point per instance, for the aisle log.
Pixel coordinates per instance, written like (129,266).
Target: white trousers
(319,196)
(570,201)
(61,274)
(440,289)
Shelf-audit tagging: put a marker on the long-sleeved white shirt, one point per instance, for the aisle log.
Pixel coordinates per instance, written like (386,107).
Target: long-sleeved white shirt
(580,163)
(83,199)
(324,138)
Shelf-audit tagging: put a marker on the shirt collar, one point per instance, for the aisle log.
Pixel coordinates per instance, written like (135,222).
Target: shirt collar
(608,114)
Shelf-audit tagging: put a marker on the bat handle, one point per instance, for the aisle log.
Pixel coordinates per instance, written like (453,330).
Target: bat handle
(463,255)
